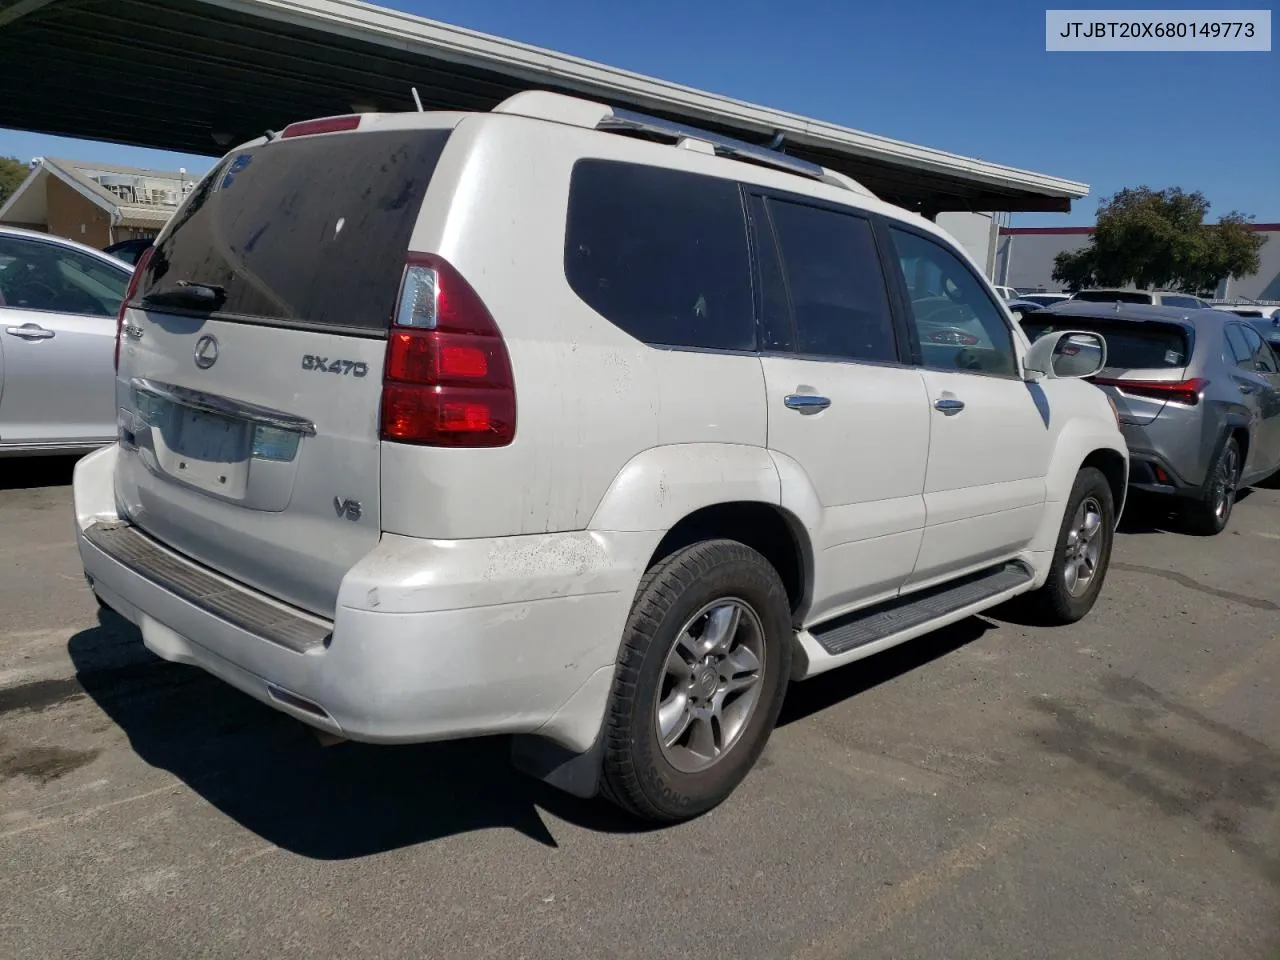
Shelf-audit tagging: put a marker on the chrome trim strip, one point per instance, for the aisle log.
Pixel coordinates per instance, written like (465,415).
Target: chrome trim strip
(224,406)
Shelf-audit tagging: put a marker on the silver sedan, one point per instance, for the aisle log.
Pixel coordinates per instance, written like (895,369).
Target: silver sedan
(58,307)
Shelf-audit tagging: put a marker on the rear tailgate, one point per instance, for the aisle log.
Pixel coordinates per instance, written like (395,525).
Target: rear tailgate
(1145,359)
(251,365)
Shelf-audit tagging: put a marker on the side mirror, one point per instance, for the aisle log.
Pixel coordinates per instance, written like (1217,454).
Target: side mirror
(1067,354)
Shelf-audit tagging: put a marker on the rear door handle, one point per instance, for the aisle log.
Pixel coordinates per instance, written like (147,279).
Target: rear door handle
(30,331)
(806,402)
(948,405)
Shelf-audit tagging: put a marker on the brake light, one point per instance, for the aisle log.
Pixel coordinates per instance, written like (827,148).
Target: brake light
(447,380)
(129,292)
(1174,391)
(306,128)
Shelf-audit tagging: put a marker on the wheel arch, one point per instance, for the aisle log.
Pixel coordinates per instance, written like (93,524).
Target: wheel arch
(770,530)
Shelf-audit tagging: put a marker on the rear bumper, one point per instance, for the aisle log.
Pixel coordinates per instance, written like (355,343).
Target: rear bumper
(431,640)
(1166,457)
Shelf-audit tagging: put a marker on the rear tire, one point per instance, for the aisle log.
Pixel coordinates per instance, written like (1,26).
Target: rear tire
(1209,514)
(703,669)
(1082,554)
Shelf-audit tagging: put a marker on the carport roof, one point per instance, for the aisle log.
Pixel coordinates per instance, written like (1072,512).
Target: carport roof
(194,76)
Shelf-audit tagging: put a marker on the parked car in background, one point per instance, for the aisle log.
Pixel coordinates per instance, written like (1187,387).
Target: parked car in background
(1007,293)
(58,305)
(1157,298)
(1250,311)
(129,250)
(1045,299)
(436,457)
(1198,396)
(1021,306)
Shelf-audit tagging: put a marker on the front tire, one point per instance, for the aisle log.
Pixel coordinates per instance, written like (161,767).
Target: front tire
(1082,554)
(1208,515)
(704,666)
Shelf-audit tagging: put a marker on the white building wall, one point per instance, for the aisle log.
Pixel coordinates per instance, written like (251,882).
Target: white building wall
(1025,259)
(977,233)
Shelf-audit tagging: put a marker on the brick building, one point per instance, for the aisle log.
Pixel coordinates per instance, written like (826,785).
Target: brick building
(96,204)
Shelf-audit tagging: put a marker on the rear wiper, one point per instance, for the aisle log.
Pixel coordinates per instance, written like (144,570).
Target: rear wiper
(188,294)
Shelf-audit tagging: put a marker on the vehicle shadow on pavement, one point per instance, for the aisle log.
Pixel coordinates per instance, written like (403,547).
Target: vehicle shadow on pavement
(270,773)
(1153,514)
(27,473)
(828,689)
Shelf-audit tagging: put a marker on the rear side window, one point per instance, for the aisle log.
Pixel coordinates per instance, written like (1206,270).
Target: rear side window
(1176,301)
(662,254)
(1130,346)
(1261,357)
(838,295)
(312,231)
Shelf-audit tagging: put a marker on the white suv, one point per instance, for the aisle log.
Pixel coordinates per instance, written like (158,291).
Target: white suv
(568,423)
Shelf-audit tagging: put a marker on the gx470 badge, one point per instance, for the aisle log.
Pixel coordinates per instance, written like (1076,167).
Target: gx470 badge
(344,368)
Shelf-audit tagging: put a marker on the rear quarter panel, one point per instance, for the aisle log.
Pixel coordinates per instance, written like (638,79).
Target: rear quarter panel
(589,397)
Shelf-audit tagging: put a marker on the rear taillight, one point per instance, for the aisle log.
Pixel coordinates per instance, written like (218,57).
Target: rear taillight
(1174,391)
(306,128)
(447,380)
(129,292)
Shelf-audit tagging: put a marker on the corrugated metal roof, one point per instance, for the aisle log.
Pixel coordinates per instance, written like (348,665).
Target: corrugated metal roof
(197,75)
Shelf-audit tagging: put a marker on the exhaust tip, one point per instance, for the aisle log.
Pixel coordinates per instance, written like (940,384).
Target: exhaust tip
(282,696)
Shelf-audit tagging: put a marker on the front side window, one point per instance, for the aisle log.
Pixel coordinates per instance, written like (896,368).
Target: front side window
(957,323)
(661,254)
(838,297)
(35,275)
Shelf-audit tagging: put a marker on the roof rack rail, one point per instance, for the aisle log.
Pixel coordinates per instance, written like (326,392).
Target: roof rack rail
(625,121)
(593,115)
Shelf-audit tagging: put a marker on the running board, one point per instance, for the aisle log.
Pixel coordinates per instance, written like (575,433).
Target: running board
(917,609)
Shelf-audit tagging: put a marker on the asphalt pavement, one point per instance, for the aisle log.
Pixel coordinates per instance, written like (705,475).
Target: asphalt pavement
(1107,790)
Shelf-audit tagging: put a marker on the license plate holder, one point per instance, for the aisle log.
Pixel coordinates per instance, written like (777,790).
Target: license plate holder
(210,452)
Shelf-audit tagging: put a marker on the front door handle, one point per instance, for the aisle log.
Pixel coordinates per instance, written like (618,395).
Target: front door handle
(30,331)
(806,402)
(948,405)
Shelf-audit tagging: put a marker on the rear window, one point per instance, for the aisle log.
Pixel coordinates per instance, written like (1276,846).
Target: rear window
(662,254)
(311,231)
(1130,346)
(1111,296)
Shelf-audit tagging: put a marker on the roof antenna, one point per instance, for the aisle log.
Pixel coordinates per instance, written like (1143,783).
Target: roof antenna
(417,102)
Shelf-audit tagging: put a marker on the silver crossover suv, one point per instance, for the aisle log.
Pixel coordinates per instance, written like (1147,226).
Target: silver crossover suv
(1198,397)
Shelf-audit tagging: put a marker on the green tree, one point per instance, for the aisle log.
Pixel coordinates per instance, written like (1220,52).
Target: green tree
(12,172)
(1158,238)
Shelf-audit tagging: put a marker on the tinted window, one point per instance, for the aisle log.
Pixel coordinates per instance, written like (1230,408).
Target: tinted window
(776,331)
(958,324)
(1174,301)
(312,231)
(35,275)
(1240,353)
(838,298)
(1111,296)
(1263,361)
(661,254)
(1130,346)
(1247,313)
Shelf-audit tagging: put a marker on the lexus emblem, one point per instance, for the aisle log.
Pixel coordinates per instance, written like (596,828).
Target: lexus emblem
(206,352)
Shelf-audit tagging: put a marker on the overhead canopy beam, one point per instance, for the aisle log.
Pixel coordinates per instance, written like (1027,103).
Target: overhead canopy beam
(194,76)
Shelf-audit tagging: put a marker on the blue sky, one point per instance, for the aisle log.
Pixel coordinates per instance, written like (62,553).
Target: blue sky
(979,84)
